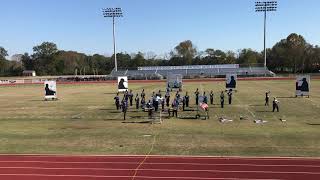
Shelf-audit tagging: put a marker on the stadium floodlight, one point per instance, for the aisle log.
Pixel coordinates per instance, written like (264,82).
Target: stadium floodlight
(113,13)
(265,6)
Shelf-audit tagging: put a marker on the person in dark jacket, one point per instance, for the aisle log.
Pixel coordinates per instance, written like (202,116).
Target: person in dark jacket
(137,100)
(175,107)
(167,97)
(275,105)
(187,98)
(143,103)
(162,103)
(178,95)
(230,96)
(211,97)
(117,101)
(159,94)
(130,96)
(143,94)
(183,103)
(267,99)
(126,96)
(150,109)
(124,108)
(222,99)
(197,96)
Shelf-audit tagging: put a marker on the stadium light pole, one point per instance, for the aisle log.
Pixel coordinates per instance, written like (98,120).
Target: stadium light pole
(113,13)
(265,6)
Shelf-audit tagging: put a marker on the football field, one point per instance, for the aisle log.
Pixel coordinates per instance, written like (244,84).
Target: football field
(84,121)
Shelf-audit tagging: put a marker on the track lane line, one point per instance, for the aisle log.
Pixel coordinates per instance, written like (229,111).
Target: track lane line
(159,156)
(144,177)
(165,163)
(150,161)
(169,170)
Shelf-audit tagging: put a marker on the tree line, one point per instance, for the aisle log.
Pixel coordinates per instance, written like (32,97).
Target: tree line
(293,55)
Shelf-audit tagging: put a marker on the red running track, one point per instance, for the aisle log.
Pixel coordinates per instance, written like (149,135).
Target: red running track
(161,81)
(60,167)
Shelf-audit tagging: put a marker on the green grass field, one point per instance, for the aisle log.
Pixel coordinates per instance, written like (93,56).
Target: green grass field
(84,121)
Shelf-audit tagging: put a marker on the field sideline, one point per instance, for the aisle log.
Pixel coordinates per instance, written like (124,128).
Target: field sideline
(84,121)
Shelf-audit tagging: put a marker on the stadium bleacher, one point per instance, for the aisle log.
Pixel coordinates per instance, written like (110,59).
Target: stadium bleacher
(196,70)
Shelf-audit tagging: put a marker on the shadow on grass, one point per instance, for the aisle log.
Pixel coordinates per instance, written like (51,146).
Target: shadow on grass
(110,119)
(115,112)
(216,107)
(314,124)
(110,93)
(187,110)
(137,117)
(256,105)
(38,100)
(265,111)
(113,109)
(188,117)
(138,122)
(71,127)
(283,97)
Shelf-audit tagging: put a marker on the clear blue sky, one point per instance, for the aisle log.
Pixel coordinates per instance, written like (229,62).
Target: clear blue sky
(150,25)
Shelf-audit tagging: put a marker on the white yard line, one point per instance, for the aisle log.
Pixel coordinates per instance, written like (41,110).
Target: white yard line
(262,94)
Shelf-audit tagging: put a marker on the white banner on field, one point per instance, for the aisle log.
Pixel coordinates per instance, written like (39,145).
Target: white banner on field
(231,81)
(174,81)
(303,85)
(50,90)
(122,83)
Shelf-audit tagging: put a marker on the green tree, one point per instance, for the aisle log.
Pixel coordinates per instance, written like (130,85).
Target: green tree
(186,50)
(14,68)
(250,57)
(101,64)
(43,56)
(3,53)
(296,45)
(3,62)
(123,60)
(220,57)
(46,49)
(138,60)
(27,62)
(230,57)
(292,54)
(209,52)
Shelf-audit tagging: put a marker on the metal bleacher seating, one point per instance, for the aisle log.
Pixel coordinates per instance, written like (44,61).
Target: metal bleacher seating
(196,70)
